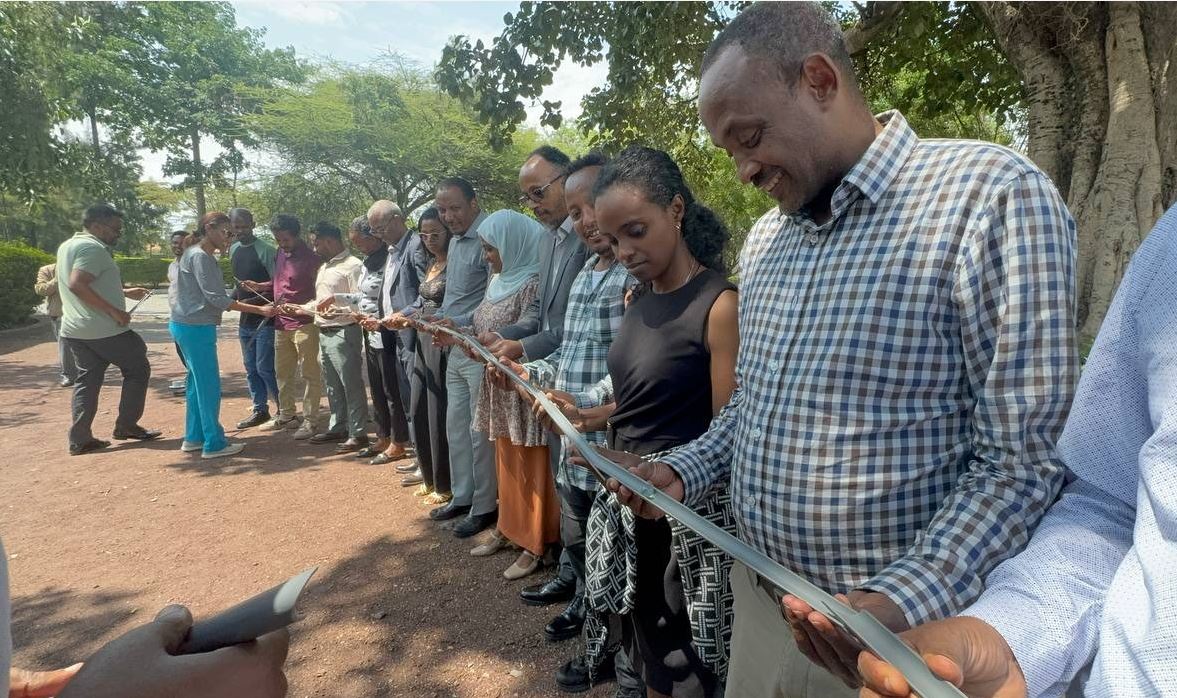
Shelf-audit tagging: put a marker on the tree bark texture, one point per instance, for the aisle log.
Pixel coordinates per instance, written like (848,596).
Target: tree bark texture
(198,174)
(1102,123)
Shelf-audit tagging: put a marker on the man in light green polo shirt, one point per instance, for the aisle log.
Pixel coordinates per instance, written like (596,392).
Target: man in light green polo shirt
(94,323)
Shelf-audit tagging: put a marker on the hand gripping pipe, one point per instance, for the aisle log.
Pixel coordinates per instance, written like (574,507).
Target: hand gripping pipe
(860,625)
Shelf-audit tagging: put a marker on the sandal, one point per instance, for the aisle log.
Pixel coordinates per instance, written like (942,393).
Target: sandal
(423,490)
(380,459)
(523,566)
(437,498)
(492,545)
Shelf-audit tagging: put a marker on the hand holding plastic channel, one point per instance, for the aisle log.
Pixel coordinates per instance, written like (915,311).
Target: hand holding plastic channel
(248,620)
(859,625)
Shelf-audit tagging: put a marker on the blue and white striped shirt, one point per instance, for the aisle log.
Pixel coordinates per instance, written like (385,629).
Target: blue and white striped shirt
(1098,580)
(904,372)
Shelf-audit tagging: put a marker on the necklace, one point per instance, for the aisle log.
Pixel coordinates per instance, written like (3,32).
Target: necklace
(691,273)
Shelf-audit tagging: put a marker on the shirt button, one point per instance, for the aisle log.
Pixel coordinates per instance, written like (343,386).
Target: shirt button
(811,239)
(750,500)
(756,432)
(774,365)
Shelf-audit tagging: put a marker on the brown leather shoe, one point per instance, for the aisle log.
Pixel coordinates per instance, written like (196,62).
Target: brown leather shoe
(351,446)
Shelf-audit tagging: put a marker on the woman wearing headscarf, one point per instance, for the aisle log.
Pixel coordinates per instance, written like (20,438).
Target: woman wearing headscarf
(529,512)
(200,301)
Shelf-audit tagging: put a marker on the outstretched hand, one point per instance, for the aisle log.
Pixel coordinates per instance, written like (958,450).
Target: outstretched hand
(828,647)
(658,474)
(967,652)
(143,663)
(567,406)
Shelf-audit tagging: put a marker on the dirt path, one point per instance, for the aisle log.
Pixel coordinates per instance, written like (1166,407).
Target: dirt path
(97,544)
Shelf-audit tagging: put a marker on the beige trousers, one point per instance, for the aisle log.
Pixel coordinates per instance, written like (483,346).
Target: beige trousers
(765,661)
(295,350)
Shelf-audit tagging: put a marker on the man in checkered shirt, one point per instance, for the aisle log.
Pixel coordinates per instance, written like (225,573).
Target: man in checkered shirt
(907,354)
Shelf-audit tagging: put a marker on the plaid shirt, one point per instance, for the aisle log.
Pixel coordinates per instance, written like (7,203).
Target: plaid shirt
(580,362)
(904,372)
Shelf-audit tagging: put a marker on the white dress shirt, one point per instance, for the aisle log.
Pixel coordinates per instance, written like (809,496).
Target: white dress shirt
(1096,588)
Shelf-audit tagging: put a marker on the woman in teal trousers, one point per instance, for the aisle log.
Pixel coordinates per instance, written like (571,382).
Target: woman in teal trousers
(200,300)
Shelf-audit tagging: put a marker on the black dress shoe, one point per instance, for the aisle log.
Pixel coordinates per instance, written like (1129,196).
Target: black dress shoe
(449,511)
(88,447)
(407,467)
(327,437)
(573,677)
(139,434)
(412,479)
(253,420)
(66,383)
(567,625)
(556,590)
(475,523)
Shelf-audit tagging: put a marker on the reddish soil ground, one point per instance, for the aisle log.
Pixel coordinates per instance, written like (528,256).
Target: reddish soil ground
(98,543)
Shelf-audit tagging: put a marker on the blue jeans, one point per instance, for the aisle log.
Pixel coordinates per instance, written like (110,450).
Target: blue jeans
(257,353)
(202,423)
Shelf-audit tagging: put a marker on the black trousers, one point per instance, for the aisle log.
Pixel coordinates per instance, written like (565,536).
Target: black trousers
(93,356)
(575,505)
(428,409)
(388,405)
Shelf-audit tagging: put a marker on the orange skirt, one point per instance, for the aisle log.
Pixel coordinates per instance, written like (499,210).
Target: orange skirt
(529,510)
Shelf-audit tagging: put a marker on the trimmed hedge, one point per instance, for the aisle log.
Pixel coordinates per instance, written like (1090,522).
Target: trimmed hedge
(152,272)
(144,271)
(18,272)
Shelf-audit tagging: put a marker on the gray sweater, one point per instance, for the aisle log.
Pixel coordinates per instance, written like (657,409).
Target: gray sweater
(200,296)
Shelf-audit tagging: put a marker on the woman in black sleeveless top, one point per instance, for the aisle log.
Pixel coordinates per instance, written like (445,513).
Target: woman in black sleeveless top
(673,368)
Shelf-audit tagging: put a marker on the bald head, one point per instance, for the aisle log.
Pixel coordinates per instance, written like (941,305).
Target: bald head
(387,221)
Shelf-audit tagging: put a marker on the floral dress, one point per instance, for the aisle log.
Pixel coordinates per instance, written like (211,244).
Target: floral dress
(503,413)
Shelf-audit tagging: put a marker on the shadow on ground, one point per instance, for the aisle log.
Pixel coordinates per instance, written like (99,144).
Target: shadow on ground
(57,621)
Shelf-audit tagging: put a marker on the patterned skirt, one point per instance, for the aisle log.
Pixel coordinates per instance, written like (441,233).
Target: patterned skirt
(612,579)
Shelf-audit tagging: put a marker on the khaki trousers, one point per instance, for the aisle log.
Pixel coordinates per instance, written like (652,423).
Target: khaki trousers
(765,661)
(295,350)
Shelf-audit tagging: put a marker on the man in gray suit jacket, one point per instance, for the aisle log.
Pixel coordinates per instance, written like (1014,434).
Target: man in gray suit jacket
(402,277)
(540,330)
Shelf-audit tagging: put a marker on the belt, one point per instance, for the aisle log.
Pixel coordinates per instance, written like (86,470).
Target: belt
(335,328)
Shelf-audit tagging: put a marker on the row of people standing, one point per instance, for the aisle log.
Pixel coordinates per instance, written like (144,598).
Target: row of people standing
(552,303)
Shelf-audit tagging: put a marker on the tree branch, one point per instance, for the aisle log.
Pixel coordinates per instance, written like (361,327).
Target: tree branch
(874,19)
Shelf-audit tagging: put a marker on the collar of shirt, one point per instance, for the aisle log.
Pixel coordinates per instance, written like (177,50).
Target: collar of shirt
(472,232)
(337,258)
(874,172)
(397,249)
(563,230)
(300,250)
(91,236)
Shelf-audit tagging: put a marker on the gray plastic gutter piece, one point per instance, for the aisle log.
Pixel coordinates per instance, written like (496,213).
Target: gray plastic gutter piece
(859,625)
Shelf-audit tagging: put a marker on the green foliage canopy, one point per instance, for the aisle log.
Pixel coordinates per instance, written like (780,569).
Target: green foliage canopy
(385,133)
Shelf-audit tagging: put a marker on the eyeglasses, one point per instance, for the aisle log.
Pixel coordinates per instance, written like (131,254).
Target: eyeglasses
(537,194)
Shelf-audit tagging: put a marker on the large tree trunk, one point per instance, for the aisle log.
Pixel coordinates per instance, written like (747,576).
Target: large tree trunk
(1101,121)
(198,174)
(93,117)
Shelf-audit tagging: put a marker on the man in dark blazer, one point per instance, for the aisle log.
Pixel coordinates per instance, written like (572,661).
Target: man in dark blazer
(540,330)
(561,256)
(402,278)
